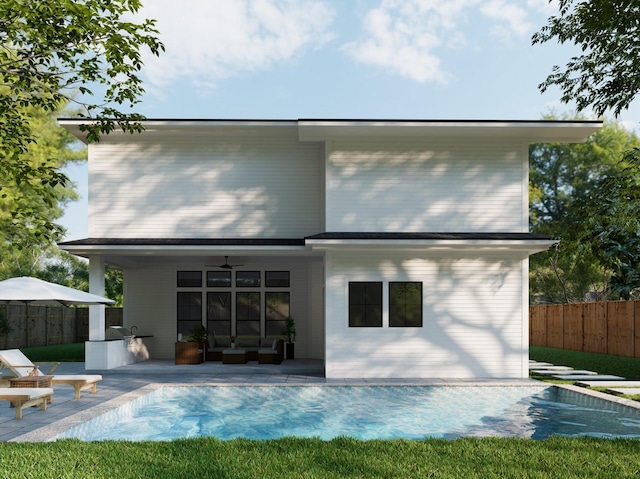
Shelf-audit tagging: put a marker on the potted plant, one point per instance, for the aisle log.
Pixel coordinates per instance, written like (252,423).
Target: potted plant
(290,337)
(200,334)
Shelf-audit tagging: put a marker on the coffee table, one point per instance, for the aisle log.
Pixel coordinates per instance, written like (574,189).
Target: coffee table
(234,356)
(32,382)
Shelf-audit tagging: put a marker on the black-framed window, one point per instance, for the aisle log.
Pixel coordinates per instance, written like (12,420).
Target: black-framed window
(248,313)
(405,304)
(219,313)
(276,279)
(218,279)
(277,310)
(189,279)
(247,279)
(189,311)
(365,304)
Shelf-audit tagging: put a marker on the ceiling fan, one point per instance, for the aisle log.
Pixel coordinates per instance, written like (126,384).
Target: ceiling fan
(226,264)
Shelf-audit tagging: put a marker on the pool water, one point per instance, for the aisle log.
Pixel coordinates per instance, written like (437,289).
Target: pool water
(363,412)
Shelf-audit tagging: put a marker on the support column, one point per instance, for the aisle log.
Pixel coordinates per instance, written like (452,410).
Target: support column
(96,286)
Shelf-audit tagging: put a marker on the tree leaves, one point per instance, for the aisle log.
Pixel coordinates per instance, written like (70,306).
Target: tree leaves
(606,76)
(56,52)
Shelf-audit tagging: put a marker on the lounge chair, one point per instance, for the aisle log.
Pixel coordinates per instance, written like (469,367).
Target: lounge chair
(25,397)
(21,366)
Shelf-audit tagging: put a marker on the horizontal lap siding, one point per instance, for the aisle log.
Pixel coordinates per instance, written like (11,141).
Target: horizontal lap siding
(449,186)
(472,318)
(199,187)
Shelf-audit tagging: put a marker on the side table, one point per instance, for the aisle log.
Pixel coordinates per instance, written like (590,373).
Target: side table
(32,382)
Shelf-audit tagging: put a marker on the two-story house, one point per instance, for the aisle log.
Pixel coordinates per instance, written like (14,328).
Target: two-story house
(400,248)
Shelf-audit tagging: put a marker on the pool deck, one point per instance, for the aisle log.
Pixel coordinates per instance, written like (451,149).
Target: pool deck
(124,384)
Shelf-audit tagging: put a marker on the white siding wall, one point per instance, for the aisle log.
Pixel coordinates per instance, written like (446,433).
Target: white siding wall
(194,186)
(151,292)
(473,321)
(415,186)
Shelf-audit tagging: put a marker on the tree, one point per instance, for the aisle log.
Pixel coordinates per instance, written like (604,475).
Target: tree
(612,226)
(56,52)
(606,75)
(567,185)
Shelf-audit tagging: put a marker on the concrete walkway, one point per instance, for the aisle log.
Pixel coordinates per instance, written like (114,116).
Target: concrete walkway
(122,385)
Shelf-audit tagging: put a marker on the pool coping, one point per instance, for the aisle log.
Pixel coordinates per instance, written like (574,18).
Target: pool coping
(50,431)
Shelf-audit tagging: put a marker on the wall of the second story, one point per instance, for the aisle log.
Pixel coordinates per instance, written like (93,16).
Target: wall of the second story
(206,183)
(418,185)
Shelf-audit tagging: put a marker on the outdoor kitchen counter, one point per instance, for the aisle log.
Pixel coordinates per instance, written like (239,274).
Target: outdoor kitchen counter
(113,353)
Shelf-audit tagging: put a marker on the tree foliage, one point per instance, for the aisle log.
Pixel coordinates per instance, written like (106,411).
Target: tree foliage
(606,75)
(573,199)
(51,53)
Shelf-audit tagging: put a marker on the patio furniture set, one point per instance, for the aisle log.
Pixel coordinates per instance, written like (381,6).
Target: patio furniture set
(29,386)
(265,351)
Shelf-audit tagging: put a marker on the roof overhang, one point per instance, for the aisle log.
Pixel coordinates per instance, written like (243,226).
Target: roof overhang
(541,131)
(471,242)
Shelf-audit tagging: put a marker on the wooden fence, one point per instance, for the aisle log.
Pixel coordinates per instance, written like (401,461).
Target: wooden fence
(611,327)
(49,325)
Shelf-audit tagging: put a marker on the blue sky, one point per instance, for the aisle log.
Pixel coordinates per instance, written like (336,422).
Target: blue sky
(396,59)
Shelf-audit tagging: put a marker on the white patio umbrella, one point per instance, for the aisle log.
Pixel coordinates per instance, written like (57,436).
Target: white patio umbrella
(27,290)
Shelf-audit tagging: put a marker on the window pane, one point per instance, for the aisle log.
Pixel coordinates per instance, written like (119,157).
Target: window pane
(219,313)
(248,279)
(189,314)
(219,279)
(405,304)
(365,304)
(189,279)
(248,314)
(276,313)
(276,279)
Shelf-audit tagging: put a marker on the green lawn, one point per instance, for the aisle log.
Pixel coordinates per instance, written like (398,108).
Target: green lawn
(62,353)
(628,368)
(312,458)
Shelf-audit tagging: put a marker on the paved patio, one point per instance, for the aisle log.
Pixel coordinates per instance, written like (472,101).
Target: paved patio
(124,384)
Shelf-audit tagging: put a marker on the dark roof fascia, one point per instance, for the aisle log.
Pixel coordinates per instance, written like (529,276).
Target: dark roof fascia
(301,241)
(349,120)
(431,236)
(185,242)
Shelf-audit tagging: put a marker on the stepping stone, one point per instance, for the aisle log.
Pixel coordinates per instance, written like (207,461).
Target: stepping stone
(631,391)
(553,370)
(614,384)
(587,377)
(534,365)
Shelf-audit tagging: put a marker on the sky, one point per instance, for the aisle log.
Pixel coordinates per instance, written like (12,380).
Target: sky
(346,59)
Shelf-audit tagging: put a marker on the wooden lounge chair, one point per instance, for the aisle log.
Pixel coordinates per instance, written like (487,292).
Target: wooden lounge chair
(21,366)
(25,397)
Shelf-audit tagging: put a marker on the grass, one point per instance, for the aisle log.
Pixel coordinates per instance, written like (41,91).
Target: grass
(628,368)
(311,458)
(61,353)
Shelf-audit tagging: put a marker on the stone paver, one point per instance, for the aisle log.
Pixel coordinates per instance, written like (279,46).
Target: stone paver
(577,372)
(606,384)
(603,377)
(630,391)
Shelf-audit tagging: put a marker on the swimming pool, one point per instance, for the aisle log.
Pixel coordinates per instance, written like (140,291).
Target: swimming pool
(363,412)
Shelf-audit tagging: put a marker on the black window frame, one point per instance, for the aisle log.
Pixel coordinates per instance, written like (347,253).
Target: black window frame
(254,285)
(189,283)
(227,276)
(284,283)
(372,310)
(398,311)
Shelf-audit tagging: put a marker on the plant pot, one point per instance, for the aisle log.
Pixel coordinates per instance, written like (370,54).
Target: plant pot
(289,350)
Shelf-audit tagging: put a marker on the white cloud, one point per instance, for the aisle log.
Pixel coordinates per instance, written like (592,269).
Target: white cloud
(210,40)
(511,18)
(409,37)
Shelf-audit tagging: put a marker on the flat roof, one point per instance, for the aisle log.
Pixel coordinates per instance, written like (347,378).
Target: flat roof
(317,129)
